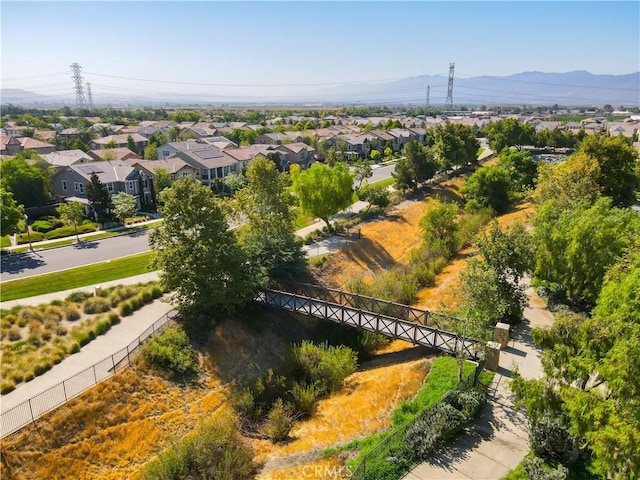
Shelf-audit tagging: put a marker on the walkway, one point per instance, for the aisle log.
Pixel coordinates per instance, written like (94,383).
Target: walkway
(498,440)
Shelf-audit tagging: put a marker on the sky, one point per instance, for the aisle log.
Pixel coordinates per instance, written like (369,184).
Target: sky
(299,47)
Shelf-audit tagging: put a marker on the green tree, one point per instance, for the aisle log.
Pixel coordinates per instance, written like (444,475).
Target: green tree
(151,151)
(124,206)
(568,184)
(375,156)
(131,145)
(322,190)
(72,213)
(235,181)
(363,171)
(161,179)
(508,132)
(376,195)
(439,227)
(27,182)
(199,258)
(490,187)
(11,213)
(490,287)
(403,175)
(576,247)
(173,133)
(98,195)
(268,237)
(420,161)
(521,166)
(110,144)
(619,167)
(455,144)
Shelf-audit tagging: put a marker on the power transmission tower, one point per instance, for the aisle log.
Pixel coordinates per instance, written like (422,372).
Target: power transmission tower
(89,97)
(426,105)
(77,85)
(448,105)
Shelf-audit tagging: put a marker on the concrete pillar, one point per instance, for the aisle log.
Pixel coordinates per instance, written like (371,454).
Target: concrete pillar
(97,290)
(492,356)
(501,334)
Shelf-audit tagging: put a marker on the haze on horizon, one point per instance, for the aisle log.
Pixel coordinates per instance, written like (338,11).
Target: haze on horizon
(294,49)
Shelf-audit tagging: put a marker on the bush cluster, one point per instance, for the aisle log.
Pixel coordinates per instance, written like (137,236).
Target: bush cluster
(172,352)
(215,450)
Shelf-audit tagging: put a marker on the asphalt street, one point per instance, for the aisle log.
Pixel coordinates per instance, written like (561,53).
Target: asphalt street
(45,261)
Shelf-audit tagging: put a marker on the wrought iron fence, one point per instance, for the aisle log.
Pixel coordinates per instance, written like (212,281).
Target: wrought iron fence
(27,412)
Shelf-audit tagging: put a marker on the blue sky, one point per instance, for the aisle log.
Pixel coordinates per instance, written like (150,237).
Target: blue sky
(305,43)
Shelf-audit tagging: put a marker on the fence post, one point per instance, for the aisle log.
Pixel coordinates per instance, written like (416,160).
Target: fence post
(95,377)
(33,419)
(128,357)
(113,363)
(64,389)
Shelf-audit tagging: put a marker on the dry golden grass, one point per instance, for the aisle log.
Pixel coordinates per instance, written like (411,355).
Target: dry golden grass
(362,408)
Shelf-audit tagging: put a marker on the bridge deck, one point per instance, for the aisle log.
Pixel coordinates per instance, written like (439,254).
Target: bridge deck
(411,331)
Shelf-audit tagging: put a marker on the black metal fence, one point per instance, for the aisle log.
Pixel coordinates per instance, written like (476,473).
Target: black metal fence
(414,332)
(29,411)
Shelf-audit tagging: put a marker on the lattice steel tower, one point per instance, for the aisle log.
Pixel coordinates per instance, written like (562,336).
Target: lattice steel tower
(448,105)
(77,85)
(426,105)
(89,97)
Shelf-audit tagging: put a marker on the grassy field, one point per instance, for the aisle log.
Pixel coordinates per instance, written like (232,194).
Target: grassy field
(76,277)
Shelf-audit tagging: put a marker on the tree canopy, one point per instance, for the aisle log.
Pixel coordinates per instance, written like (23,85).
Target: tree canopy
(490,187)
(268,237)
(521,166)
(27,182)
(508,132)
(124,205)
(455,144)
(72,213)
(98,196)
(322,190)
(10,212)
(197,254)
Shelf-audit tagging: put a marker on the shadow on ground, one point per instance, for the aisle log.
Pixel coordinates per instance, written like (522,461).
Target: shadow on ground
(19,262)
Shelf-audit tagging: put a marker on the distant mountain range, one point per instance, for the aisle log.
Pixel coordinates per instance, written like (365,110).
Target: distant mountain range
(577,88)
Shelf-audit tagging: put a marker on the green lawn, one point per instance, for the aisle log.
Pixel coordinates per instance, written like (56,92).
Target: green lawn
(385,183)
(76,277)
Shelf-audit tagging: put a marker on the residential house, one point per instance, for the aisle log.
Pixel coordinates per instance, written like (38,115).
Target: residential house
(403,136)
(64,158)
(209,162)
(295,153)
(244,155)
(120,140)
(221,143)
(276,138)
(171,148)
(69,134)
(13,145)
(357,145)
(386,139)
(119,154)
(71,181)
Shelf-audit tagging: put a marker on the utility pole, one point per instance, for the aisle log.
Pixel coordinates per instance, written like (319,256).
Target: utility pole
(89,97)
(448,105)
(77,85)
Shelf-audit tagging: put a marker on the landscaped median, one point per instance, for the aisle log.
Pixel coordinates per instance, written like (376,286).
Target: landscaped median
(76,277)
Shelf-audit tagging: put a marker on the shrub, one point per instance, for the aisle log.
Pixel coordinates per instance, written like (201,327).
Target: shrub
(172,352)
(215,451)
(120,294)
(156,291)
(74,348)
(432,428)
(29,314)
(114,318)
(328,366)
(146,296)
(29,376)
(24,238)
(244,403)
(535,469)
(53,313)
(7,386)
(136,303)
(78,297)
(304,397)
(96,305)
(42,226)
(61,331)
(279,421)
(14,334)
(125,309)
(550,439)
(72,313)
(10,319)
(468,402)
(102,326)
(40,368)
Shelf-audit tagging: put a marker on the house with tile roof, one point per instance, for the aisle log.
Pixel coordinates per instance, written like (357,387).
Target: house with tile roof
(119,154)
(64,158)
(71,181)
(12,145)
(120,140)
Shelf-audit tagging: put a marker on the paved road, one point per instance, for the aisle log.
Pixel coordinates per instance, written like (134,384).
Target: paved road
(44,261)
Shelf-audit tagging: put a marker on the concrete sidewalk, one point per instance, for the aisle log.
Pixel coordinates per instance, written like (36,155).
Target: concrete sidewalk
(499,438)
